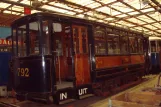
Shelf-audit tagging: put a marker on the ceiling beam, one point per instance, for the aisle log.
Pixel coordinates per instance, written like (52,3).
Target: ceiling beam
(99,6)
(82,8)
(141,13)
(9,6)
(137,10)
(25,5)
(126,18)
(67,2)
(148,24)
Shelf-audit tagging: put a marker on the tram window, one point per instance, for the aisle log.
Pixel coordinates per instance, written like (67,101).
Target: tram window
(57,29)
(159,46)
(124,44)
(76,40)
(100,42)
(34,38)
(46,40)
(21,33)
(59,47)
(140,45)
(153,46)
(68,41)
(113,44)
(133,44)
(84,40)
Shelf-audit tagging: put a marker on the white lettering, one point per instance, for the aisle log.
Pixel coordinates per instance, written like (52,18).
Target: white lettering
(82,91)
(63,96)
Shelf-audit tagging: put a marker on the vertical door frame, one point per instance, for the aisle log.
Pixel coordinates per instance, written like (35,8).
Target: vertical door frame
(52,36)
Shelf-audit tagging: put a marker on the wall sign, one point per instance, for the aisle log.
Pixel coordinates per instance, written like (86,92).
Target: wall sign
(7,42)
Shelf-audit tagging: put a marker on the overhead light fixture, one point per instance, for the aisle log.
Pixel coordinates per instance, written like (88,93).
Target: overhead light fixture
(145,2)
(36,3)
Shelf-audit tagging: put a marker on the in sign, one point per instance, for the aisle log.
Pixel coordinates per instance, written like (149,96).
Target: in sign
(63,96)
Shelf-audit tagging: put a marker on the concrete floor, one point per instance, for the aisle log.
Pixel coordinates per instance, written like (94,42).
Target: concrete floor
(95,101)
(148,82)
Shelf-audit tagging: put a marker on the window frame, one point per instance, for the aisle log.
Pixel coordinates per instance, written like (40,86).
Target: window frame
(101,29)
(113,36)
(133,35)
(142,43)
(26,23)
(124,34)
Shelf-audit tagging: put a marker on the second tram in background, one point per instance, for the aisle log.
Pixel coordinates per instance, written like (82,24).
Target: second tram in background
(155,54)
(5,57)
(66,58)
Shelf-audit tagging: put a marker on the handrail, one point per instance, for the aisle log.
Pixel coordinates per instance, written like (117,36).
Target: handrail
(59,66)
(90,56)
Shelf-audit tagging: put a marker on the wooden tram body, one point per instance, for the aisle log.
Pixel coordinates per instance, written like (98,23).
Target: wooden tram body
(66,58)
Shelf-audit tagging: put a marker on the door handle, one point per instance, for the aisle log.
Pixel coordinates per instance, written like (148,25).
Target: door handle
(90,56)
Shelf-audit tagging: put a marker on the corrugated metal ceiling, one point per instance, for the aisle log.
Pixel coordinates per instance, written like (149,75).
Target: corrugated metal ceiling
(140,15)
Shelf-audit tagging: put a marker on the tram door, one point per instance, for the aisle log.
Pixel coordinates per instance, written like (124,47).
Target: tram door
(62,55)
(81,56)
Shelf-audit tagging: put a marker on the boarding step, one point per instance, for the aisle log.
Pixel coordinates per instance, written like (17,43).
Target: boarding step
(65,95)
(84,91)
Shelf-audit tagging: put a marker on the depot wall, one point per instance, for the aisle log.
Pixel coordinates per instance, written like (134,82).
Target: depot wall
(5,32)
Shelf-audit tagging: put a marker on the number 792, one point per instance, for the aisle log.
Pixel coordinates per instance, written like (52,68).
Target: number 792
(23,72)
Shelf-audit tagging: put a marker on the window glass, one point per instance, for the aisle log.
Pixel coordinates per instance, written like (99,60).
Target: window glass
(113,44)
(133,44)
(34,38)
(159,46)
(140,45)
(100,41)
(124,43)
(59,46)
(21,33)
(109,30)
(57,30)
(68,41)
(84,40)
(76,39)
(153,46)
(46,39)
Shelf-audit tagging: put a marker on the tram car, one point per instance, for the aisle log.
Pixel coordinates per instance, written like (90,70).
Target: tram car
(155,54)
(63,58)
